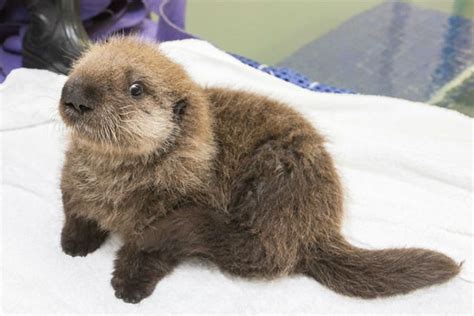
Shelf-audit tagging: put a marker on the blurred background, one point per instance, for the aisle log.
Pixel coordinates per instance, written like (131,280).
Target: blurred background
(421,50)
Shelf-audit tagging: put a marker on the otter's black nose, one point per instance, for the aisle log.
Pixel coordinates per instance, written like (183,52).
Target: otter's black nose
(79,107)
(74,98)
(78,104)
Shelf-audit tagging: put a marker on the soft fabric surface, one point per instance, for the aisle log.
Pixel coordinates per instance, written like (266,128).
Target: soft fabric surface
(407,168)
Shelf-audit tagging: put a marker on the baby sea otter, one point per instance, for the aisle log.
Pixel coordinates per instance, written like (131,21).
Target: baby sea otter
(182,171)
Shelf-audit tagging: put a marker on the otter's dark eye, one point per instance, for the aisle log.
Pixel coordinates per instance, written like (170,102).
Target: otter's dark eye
(136,89)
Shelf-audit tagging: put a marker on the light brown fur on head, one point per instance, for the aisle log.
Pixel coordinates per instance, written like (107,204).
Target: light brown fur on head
(181,171)
(121,123)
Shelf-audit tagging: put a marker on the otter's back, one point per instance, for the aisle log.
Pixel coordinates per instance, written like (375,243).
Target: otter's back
(245,121)
(270,158)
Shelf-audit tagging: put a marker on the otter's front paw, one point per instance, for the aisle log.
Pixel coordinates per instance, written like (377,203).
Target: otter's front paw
(132,290)
(81,237)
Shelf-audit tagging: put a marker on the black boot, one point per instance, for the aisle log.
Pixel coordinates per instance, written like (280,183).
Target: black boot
(55,35)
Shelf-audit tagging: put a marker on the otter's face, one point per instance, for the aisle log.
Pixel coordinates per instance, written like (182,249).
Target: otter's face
(123,95)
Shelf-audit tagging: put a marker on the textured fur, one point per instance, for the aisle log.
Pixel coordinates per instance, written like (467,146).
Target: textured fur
(229,176)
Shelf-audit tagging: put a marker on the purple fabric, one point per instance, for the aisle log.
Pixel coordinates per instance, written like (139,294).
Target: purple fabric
(13,44)
(15,12)
(91,8)
(101,18)
(102,25)
(171,24)
(147,29)
(8,62)
(129,20)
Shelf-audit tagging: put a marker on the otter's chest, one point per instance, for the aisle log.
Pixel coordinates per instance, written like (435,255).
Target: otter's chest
(119,198)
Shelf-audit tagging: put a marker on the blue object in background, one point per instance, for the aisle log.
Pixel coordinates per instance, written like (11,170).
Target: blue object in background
(395,49)
(291,76)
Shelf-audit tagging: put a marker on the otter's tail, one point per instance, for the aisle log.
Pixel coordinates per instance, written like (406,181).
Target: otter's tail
(372,273)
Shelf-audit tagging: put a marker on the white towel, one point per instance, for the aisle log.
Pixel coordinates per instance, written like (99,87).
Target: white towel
(406,167)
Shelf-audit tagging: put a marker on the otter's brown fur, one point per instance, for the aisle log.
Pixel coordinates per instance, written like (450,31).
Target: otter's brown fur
(182,171)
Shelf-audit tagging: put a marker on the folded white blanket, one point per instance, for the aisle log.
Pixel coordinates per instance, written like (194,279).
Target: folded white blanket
(406,167)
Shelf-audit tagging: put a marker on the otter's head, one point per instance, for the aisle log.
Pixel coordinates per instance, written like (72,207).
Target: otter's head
(124,95)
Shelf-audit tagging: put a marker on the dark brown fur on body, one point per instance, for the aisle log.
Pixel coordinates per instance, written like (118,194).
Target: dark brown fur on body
(179,171)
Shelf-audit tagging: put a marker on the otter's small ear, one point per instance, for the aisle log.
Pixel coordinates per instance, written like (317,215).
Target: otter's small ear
(179,108)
